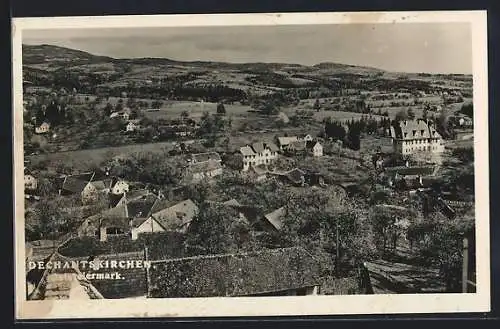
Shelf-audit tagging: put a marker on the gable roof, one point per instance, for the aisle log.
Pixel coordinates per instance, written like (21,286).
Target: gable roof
(283,141)
(247,150)
(176,216)
(296,175)
(297,145)
(267,271)
(258,147)
(312,144)
(272,147)
(203,167)
(76,183)
(114,199)
(276,217)
(413,129)
(141,208)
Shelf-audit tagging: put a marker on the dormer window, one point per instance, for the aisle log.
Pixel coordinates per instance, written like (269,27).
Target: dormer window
(414,132)
(422,132)
(406,134)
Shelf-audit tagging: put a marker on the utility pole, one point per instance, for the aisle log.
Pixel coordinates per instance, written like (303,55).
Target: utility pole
(465,264)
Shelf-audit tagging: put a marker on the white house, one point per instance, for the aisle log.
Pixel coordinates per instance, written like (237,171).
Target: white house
(258,154)
(414,136)
(131,126)
(119,186)
(315,148)
(43,128)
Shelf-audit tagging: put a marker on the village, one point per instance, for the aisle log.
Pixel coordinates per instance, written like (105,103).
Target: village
(297,204)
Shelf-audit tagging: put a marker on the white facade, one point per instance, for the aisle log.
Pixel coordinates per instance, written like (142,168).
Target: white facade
(416,136)
(252,158)
(43,128)
(148,226)
(317,150)
(120,187)
(131,127)
(405,147)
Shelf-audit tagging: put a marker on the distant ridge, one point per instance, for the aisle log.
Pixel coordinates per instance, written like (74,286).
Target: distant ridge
(37,54)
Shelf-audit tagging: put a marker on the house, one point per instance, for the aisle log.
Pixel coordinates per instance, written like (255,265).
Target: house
(307,138)
(198,171)
(132,125)
(295,176)
(258,173)
(258,153)
(43,128)
(296,147)
(414,136)
(314,148)
(148,215)
(465,122)
(271,272)
(276,218)
(80,184)
(283,142)
(118,186)
(63,282)
(172,215)
(30,182)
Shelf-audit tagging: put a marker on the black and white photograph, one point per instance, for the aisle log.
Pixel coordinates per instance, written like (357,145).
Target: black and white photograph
(329,159)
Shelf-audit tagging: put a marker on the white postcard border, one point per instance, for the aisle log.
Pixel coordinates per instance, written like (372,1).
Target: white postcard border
(264,306)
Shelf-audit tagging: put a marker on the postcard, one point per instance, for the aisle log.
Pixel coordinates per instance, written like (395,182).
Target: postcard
(251,164)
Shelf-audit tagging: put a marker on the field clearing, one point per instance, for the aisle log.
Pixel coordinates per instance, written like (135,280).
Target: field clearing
(371,144)
(83,159)
(341,116)
(173,109)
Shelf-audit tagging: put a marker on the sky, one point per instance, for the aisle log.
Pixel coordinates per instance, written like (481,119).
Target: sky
(398,47)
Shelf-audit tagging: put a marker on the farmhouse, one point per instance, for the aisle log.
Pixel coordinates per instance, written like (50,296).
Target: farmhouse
(283,142)
(273,272)
(314,148)
(43,128)
(258,153)
(80,184)
(132,125)
(276,218)
(174,215)
(414,136)
(147,215)
(198,171)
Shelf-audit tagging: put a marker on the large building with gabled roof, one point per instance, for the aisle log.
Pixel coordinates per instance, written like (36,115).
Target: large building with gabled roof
(414,136)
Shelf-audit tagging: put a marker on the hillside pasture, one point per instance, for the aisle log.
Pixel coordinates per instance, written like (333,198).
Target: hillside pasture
(342,116)
(173,109)
(85,159)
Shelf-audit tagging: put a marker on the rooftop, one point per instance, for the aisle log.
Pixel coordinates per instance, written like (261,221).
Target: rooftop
(247,274)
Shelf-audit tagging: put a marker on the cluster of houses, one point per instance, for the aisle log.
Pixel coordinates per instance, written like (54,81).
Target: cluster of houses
(264,153)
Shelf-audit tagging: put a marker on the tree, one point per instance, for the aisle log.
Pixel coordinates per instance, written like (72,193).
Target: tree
(214,230)
(401,115)
(221,109)
(184,115)
(468,109)
(317,106)
(410,113)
